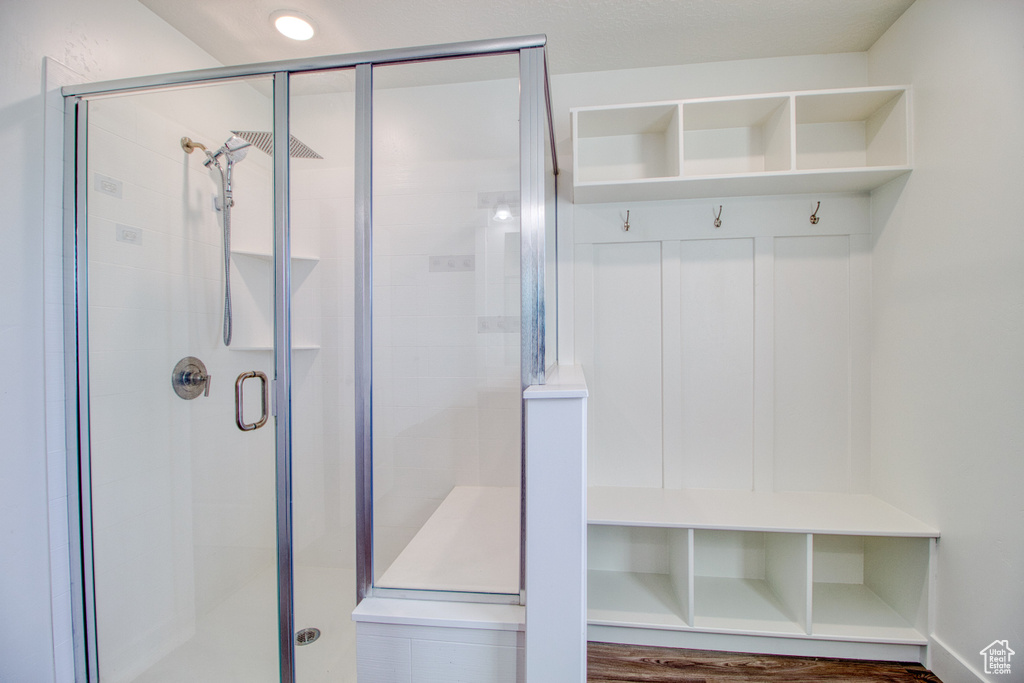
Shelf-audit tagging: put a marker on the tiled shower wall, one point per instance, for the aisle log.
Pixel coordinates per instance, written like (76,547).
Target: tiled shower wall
(446,300)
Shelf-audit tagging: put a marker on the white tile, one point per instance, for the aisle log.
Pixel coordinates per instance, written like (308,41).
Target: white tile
(452,361)
(440,662)
(58,513)
(423,483)
(61,615)
(64,661)
(383,660)
(409,270)
(405,510)
(116,115)
(56,465)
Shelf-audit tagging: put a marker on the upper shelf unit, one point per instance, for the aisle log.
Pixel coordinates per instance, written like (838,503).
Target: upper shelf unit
(849,140)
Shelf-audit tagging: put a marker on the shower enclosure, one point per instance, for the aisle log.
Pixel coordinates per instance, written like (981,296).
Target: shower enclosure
(296,358)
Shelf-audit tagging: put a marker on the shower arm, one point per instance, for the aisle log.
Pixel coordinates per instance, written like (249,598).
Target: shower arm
(190,145)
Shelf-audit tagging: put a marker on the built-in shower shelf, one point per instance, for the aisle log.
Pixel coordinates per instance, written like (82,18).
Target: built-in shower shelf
(265,256)
(252,287)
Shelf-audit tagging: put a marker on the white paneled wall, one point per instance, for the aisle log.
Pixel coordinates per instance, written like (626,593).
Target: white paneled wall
(715,345)
(624,364)
(725,359)
(812,363)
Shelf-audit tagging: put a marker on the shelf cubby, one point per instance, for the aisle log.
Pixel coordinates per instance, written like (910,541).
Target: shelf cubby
(639,576)
(821,141)
(859,129)
(738,136)
(836,567)
(870,588)
(750,582)
(631,143)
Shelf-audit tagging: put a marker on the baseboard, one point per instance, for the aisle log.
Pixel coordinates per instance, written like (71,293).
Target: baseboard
(949,667)
(770,645)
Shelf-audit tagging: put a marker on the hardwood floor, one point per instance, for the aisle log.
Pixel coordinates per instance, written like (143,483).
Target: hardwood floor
(608,663)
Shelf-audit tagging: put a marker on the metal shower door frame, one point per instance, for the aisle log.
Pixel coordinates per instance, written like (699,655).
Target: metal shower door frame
(534,113)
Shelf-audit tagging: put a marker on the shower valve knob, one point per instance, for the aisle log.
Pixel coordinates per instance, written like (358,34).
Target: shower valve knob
(199,379)
(189,378)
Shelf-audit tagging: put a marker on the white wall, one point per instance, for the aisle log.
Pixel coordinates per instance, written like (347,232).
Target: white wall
(101,39)
(948,368)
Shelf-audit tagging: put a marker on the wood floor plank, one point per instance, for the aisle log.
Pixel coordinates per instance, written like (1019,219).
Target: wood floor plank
(609,663)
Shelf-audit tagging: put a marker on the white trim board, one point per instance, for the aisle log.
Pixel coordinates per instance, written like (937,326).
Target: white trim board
(670,220)
(440,614)
(949,666)
(773,645)
(795,512)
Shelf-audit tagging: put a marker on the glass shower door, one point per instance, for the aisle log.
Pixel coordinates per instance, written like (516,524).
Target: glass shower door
(180,467)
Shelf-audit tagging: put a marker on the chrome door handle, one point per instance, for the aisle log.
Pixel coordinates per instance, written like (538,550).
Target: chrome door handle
(240,402)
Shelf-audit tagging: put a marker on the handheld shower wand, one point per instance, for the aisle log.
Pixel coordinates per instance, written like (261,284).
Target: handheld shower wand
(233,151)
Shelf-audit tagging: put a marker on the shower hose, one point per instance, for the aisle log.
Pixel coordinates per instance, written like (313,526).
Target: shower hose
(228,203)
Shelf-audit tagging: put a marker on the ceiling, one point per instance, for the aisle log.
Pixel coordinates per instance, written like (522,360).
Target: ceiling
(583,35)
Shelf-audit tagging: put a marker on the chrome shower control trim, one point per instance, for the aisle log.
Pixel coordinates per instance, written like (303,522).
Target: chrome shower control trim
(189,378)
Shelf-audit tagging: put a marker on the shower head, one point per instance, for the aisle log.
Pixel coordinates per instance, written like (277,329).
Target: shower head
(235,149)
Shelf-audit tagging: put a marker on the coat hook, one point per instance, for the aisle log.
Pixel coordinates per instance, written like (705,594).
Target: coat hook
(814,216)
(718,217)
(625,226)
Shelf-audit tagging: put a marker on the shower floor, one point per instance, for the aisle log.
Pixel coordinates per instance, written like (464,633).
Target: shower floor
(470,543)
(231,641)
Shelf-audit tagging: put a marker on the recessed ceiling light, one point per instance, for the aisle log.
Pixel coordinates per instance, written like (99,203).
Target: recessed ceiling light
(294,25)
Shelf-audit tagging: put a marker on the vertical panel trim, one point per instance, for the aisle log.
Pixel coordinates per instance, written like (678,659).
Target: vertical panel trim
(532,110)
(764,364)
(532,197)
(673,475)
(283,379)
(364,328)
(76,380)
(809,602)
(860,363)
